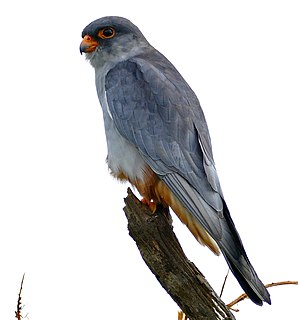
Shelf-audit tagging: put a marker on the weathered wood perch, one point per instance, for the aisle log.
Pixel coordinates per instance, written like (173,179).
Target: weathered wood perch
(160,249)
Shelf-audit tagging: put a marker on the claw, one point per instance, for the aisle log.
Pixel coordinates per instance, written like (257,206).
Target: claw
(152,205)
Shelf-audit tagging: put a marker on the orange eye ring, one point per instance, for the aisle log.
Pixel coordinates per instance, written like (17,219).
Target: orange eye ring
(107,33)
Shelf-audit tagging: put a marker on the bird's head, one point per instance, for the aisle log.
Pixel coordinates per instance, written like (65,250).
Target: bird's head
(111,39)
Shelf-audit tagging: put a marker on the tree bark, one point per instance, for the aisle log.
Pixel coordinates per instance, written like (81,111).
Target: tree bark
(161,251)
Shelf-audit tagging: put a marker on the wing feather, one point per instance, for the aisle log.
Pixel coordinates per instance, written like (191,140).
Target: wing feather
(153,113)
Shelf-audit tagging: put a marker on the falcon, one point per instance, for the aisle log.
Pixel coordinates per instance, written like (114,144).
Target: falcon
(158,139)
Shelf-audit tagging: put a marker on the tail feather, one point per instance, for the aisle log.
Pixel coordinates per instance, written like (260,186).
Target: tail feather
(242,268)
(219,225)
(255,293)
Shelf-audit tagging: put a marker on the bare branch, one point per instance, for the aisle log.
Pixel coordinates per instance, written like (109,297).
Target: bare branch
(224,283)
(161,251)
(244,295)
(18,313)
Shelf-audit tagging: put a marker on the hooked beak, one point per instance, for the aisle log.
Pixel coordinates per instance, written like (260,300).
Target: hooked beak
(88,44)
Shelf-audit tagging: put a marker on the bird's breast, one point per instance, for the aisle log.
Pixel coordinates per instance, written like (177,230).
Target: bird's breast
(126,162)
(124,159)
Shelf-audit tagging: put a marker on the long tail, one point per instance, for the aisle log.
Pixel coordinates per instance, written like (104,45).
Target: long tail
(241,266)
(213,229)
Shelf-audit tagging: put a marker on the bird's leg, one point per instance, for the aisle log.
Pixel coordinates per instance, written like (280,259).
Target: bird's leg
(151,204)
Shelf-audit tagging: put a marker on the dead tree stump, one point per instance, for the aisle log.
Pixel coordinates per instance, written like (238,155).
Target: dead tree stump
(161,251)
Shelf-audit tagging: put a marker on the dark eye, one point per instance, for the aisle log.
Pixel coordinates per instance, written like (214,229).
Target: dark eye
(107,33)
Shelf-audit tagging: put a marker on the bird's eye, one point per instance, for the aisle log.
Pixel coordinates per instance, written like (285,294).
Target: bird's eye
(107,33)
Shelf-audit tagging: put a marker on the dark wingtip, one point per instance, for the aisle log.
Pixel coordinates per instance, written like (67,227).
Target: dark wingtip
(256,293)
(267,298)
(242,268)
(259,301)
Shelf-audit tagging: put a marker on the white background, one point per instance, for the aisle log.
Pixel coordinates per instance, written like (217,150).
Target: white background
(61,213)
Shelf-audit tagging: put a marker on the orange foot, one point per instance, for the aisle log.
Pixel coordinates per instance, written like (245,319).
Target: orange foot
(152,205)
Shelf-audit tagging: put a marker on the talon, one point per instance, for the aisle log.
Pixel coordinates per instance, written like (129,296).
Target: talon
(152,205)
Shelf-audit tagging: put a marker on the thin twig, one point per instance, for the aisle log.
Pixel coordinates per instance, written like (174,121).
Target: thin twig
(275,284)
(18,313)
(244,295)
(224,283)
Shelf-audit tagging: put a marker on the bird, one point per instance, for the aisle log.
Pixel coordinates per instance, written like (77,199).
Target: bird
(158,140)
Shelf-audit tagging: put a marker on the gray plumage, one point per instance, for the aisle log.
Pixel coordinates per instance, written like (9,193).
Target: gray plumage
(152,117)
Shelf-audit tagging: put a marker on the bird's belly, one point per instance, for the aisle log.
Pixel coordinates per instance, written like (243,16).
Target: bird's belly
(123,157)
(126,163)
